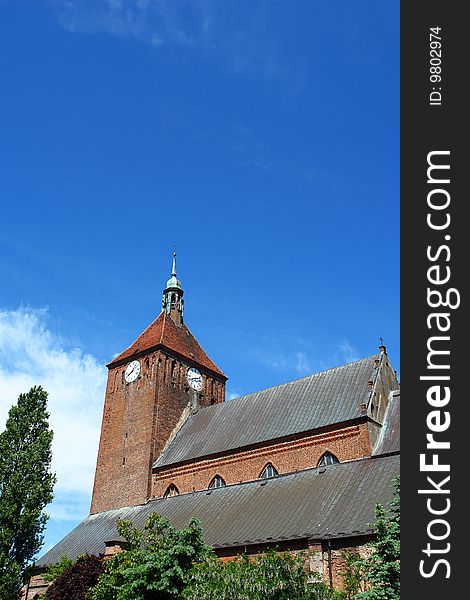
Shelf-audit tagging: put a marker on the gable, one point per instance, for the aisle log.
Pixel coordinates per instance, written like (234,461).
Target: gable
(389,437)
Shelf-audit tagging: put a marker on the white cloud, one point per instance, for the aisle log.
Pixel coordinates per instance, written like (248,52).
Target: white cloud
(349,353)
(31,355)
(220,31)
(303,365)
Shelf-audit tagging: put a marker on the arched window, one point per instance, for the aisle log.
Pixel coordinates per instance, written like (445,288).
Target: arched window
(268,471)
(327,459)
(171,490)
(217,482)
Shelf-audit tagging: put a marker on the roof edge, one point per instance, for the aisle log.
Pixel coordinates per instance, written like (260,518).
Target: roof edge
(118,363)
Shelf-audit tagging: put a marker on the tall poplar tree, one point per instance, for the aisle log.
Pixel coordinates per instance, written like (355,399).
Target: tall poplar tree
(26,485)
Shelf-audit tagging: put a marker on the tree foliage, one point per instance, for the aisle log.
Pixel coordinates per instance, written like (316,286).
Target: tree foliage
(270,576)
(53,571)
(382,568)
(26,486)
(353,575)
(164,563)
(76,579)
(156,564)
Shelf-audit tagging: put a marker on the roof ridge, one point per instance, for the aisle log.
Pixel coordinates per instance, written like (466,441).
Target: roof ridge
(163,325)
(286,383)
(117,359)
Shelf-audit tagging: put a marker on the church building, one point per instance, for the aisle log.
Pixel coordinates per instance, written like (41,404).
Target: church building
(298,466)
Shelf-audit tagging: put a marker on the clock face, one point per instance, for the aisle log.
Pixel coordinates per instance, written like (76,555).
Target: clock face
(132,371)
(194,379)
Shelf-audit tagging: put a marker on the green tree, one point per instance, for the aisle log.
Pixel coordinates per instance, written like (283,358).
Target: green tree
(382,568)
(156,564)
(26,485)
(270,576)
(53,571)
(353,575)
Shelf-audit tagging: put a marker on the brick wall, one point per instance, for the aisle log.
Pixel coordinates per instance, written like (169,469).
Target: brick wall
(334,556)
(36,586)
(346,443)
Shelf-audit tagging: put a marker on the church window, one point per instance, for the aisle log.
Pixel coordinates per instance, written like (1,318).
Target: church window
(171,490)
(327,459)
(268,471)
(217,482)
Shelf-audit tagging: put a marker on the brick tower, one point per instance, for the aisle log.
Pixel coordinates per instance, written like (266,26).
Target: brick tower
(152,387)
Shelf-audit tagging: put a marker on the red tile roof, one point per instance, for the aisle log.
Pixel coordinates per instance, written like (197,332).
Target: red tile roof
(163,332)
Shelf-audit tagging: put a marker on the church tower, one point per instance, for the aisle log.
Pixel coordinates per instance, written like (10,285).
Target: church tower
(153,386)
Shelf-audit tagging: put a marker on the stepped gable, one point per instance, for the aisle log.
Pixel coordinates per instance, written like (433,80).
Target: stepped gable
(164,333)
(325,398)
(336,501)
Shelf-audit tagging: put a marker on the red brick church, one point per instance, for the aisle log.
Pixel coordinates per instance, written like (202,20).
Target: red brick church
(297,466)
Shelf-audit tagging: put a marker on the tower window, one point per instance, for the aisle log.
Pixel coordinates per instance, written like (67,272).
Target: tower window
(327,459)
(171,490)
(217,482)
(268,471)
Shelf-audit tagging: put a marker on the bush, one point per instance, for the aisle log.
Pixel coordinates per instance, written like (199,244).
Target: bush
(156,565)
(270,576)
(75,581)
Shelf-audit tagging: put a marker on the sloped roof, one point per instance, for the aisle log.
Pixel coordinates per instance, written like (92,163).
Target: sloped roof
(389,438)
(322,399)
(164,332)
(320,503)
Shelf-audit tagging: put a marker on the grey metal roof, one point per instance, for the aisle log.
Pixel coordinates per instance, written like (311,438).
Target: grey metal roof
(333,501)
(389,438)
(315,401)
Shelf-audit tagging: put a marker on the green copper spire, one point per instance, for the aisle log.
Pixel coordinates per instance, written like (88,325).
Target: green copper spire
(173,282)
(172,301)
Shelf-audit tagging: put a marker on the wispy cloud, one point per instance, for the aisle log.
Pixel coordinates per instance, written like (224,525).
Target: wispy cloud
(220,31)
(289,355)
(30,354)
(348,352)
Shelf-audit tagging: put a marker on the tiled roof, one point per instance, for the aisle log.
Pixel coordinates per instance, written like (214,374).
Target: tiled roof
(322,399)
(163,332)
(389,438)
(321,503)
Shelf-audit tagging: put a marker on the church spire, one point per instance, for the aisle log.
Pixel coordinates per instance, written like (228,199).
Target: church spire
(172,301)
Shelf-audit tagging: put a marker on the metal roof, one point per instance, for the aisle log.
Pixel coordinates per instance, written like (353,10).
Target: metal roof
(333,501)
(322,399)
(389,438)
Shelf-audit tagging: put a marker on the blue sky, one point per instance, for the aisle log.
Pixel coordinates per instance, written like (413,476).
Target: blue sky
(261,139)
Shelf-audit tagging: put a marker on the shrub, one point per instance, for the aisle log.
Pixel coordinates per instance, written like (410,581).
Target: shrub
(75,581)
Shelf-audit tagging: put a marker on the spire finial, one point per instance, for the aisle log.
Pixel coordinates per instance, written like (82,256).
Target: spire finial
(173,266)
(382,348)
